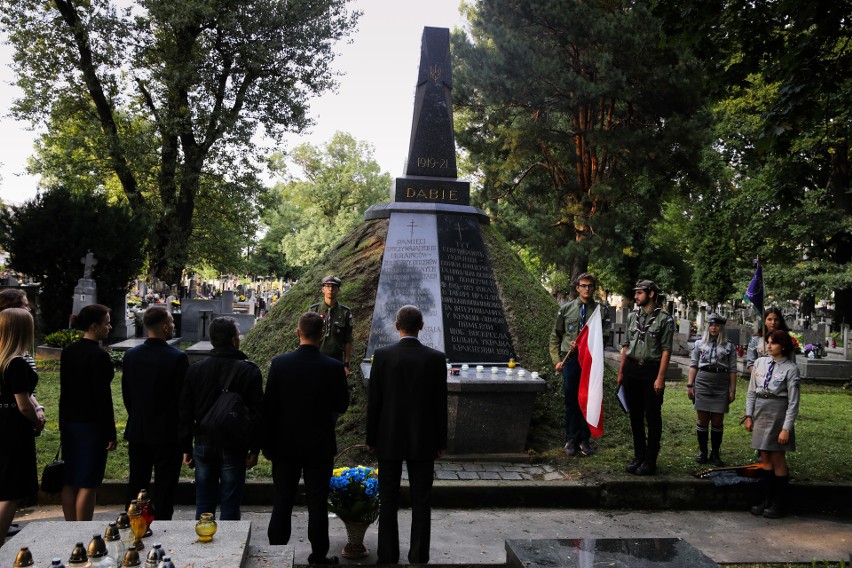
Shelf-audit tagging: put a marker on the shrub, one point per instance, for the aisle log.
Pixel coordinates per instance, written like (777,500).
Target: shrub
(62,338)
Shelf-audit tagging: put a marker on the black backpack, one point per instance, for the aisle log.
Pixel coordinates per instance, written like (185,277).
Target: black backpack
(227,421)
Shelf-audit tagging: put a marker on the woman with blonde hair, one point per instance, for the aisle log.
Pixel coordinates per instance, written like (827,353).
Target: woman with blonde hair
(19,420)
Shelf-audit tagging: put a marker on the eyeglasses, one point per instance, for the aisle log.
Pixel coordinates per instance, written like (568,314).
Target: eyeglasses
(587,286)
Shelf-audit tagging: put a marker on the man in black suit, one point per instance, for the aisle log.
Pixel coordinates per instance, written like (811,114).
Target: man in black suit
(304,391)
(407,420)
(150,385)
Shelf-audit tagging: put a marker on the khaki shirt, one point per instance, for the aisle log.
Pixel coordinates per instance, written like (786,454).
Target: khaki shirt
(336,329)
(568,326)
(653,337)
(714,355)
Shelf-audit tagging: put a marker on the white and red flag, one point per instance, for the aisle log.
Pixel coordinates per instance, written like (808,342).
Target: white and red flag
(590,355)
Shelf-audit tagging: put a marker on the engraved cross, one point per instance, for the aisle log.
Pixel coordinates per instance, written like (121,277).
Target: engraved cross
(458,226)
(412,225)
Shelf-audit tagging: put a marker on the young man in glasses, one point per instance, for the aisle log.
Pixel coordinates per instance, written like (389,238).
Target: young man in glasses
(570,320)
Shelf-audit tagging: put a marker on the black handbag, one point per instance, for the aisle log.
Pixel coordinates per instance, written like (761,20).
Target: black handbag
(51,478)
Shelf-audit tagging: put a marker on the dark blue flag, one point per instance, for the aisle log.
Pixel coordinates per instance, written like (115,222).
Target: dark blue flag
(754,294)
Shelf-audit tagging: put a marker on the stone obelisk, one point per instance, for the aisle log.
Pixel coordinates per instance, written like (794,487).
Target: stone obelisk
(435,259)
(434,254)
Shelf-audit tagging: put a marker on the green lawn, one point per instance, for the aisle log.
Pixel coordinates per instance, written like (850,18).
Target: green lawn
(824,433)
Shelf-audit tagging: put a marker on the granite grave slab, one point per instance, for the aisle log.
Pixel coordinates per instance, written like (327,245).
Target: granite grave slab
(610,552)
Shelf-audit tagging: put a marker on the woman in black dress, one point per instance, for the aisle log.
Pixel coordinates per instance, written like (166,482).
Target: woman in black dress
(19,421)
(86,418)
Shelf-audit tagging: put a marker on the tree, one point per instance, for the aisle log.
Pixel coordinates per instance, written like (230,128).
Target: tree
(176,91)
(789,63)
(577,117)
(47,236)
(339,181)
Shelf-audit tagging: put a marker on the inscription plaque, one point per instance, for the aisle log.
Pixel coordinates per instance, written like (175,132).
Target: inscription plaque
(432,190)
(409,276)
(474,323)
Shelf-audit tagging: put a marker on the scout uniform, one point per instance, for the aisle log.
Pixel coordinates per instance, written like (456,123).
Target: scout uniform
(648,335)
(772,402)
(714,361)
(337,324)
(570,320)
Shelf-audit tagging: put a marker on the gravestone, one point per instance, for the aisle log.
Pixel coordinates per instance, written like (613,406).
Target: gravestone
(86,291)
(617,552)
(435,259)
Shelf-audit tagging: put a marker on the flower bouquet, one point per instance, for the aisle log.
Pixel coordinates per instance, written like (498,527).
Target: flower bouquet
(354,497)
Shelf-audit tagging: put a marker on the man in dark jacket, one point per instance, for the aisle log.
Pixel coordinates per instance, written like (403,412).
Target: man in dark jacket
(305,390)
(150,385)
(220,472)
(407,420)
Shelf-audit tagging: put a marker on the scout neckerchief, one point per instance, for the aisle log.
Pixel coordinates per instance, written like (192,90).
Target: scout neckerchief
(643,329)
(582,315)
(713,351)
(326,324)
(768,375)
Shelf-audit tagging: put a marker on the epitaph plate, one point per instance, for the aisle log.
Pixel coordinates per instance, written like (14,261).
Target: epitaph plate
(475,326)
(409,276)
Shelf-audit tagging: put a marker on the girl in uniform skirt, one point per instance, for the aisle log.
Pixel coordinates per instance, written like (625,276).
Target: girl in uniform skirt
(772,406)
(712,386)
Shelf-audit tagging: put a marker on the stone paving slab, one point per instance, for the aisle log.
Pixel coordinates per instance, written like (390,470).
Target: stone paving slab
(477,536)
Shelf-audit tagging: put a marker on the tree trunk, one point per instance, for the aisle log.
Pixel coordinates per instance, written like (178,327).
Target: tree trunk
(842,242)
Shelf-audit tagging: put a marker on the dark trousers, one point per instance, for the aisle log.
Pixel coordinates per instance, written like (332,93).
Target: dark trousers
(285,479)
(576,427)
(645,406)
(420,482)
(164,461)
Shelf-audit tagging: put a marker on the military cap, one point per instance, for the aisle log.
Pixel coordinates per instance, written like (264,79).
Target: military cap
(646,285)
(331,279)
(716,318)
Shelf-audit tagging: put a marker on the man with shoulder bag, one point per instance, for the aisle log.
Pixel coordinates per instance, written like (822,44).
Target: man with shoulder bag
(220,407)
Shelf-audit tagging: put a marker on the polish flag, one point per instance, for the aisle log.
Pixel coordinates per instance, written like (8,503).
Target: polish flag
(590,354)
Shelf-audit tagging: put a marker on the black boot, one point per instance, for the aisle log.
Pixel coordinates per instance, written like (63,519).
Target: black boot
(775,510)
(648,467)
(634,464)
(716,441)
(767,484)
(701,433)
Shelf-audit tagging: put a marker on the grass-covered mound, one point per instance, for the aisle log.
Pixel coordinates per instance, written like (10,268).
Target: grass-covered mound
(357,261)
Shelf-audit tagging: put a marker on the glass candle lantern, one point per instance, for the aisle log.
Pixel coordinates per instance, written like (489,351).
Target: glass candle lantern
(206,527)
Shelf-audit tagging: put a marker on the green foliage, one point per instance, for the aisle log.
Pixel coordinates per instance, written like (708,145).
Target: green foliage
(163,100)
(578,120)
(47,236)
(338,182)
(62,338)
(779,75)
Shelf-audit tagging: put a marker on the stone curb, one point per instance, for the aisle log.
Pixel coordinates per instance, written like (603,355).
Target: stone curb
(652,493)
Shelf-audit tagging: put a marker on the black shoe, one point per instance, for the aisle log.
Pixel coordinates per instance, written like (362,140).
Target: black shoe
(647,468)
(634,465)
(773,511)
(570,448)
(586,449)
(312,560)
(759,508)
(14,529)
(716,460)
(701,457)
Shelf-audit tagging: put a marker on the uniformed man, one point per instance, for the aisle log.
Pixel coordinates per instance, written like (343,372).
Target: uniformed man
(570,320)
(645,357)
(337,323)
